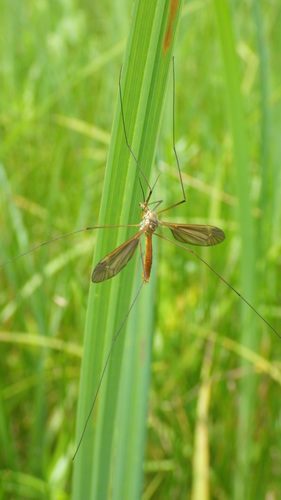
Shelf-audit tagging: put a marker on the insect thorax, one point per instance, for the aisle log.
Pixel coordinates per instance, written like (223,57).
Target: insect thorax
(150,221)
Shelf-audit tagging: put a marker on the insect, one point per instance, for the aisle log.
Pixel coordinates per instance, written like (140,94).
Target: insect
(193,234)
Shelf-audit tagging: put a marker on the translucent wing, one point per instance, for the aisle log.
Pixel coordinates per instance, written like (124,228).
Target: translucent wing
(195,234)
(112,263)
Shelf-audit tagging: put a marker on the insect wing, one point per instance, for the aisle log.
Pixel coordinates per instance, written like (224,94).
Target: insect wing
(112,263)
(195,234)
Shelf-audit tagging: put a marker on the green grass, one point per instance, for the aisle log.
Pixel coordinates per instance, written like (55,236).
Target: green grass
(213,421)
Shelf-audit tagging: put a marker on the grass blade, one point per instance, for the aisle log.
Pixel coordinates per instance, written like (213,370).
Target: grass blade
(114,444)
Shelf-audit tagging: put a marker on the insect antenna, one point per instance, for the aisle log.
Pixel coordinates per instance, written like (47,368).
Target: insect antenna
(145,201)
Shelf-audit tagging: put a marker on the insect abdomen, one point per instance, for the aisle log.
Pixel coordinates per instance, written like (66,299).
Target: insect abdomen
(147,258)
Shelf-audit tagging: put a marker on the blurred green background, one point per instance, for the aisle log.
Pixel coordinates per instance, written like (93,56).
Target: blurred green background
(214,406)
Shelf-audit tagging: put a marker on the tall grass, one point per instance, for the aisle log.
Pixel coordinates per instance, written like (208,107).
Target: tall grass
(213,426)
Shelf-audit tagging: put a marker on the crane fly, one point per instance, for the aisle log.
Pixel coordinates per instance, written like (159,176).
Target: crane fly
(116,260)
(193,234)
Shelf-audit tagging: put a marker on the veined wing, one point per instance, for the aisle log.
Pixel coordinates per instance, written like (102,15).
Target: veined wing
(112,263)
(195,234)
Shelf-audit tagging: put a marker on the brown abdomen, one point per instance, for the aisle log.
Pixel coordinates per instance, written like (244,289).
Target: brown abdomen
(147,258)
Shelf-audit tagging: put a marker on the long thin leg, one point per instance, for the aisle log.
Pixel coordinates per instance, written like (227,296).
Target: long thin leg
(108,356)
(142,261)
(90,228)
(189,250)
(174,148)
(143,195)
(127,142)
(104,369)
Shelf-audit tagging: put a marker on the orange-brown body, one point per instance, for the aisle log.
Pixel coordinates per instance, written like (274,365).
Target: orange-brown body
(149,224)
(147,257)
